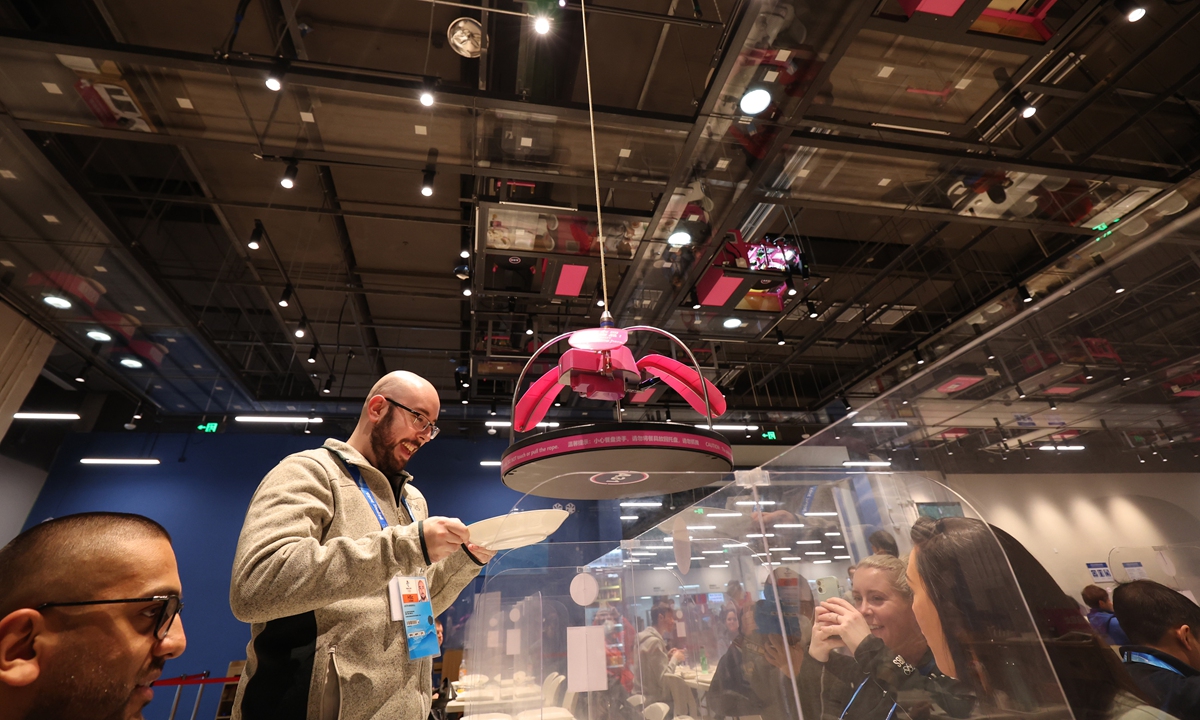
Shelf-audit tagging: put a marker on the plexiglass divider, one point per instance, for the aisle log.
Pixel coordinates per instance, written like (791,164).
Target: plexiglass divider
(785,599)
(1176,566)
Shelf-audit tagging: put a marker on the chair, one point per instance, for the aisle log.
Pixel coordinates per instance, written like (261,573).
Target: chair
(636,700)
(656,711)
(682,697)
(550,689)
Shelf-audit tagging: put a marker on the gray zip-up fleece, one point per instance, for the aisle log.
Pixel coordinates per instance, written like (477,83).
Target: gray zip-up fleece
(311,575)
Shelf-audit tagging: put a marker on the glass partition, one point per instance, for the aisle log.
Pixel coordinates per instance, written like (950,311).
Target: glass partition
(784,594)
(1176,566)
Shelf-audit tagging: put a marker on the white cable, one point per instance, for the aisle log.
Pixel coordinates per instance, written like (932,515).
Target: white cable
(587,66)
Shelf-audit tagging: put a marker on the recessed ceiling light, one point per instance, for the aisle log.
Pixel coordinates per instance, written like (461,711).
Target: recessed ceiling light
(679,238)
(131,363)
(755,101)
(56,302)
(99,335)
(731,323)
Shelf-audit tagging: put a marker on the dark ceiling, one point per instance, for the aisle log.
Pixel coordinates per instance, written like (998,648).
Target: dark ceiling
(891,181)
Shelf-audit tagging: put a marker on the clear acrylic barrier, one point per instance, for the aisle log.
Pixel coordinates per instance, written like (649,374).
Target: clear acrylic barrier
(1176,566)
(713,612)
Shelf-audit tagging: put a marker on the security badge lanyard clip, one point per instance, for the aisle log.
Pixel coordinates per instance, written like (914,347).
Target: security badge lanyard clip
(409,595)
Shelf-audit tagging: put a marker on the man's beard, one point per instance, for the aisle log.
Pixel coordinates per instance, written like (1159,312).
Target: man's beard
(82,687)
(385,452)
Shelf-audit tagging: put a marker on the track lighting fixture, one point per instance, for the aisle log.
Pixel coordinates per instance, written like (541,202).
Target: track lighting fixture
(256,235)
(312,355)
(779,337)
(462,272)
(427,183)
(541,24)
(288,181)
(1023,293)
(1131,9)
(694,298)
(1023,106)
(302,328)
(493,410)
(275,80)
(464,250)
(1115,284)
(1053,404)
(82,376)
(328,385)
(1140,458)
(427,93)
(812,310)
(466,288)
(918,356)
(1020,392)
(286,298)
(791,284)
(755,100)
(1125,376)
(1087,374)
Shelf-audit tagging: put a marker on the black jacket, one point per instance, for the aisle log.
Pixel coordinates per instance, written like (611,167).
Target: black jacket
(1176,690)
(830,690)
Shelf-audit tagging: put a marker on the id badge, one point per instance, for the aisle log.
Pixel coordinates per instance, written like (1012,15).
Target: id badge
(411,605)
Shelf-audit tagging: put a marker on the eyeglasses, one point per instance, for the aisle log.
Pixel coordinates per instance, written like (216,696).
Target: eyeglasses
(421,422)
(164,610)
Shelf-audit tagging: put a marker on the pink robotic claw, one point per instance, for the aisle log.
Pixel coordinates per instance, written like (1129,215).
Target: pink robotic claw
(600,367)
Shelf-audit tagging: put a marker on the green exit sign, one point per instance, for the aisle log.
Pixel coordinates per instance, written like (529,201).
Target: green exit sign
(770,435)
(207,427)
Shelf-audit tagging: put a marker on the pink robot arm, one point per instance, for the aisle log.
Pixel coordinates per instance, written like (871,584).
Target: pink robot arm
(684,380)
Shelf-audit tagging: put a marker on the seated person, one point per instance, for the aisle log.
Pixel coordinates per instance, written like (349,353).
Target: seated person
(1100,615)
(88,607)
(889,659)
(976,616)
(1165,659)
(652,651)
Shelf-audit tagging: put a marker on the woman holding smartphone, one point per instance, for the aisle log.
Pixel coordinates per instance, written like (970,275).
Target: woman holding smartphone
(890,665)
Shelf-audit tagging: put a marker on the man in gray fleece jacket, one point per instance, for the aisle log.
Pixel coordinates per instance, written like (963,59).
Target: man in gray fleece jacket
(325,532)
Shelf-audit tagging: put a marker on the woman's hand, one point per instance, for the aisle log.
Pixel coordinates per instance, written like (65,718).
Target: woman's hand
(824,640)
(776,652)
(844,621)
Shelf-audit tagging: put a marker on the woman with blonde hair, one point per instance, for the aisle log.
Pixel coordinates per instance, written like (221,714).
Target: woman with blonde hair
(888,655)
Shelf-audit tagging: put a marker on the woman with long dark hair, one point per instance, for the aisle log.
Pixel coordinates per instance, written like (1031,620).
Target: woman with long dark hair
(976,620)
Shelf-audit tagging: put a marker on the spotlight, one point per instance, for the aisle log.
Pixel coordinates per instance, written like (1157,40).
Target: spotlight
(1087,374)
(288,181)
(755,101)
(1020,392)
(275,81)
(541,25)
(56,302)
(82,376)
(1053,405)
(312,355)
(779,337)
(1023,293)
(493,410)
(427,94)
(679,238)
(466,288)
(99,335)
(463,272)
(328,385)
(1131,9)
(1022,105)
(600,302)
(812,310)
(302,328)
(464,251)
(791,284)
(131,363)
(427,182)
(1117,286)
(731,323)
(918,356)
(562,3)
(286,298)
(1140,458)
(695,300)
(255,236)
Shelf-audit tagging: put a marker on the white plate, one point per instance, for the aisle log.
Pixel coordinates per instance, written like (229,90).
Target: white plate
(505,532)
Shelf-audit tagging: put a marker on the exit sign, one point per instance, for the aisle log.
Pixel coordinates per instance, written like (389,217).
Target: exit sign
(207,427)
(770,435)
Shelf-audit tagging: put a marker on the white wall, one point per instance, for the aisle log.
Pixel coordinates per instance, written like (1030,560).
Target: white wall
(19,487)
(1068,520)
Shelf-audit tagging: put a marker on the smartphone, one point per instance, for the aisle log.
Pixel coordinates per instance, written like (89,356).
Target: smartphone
(828,587)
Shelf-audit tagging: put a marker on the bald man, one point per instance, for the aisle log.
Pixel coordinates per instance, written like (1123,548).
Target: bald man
(88,607)
(325,533)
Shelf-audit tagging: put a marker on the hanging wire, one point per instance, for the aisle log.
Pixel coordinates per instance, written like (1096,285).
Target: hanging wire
(587,66)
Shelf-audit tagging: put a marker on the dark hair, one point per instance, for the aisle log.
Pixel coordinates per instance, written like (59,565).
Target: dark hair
(1093,595)
(964,566)
(1148,610)
(884,542)
(57,543)
(658,611)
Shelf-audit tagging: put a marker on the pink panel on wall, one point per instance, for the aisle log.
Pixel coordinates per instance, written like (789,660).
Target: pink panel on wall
(570,280)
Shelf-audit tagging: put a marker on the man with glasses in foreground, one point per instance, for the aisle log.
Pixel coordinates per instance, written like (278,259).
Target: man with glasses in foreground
(88,617)
(325,534)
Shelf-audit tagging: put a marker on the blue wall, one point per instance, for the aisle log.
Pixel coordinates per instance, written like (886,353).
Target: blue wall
(200,493)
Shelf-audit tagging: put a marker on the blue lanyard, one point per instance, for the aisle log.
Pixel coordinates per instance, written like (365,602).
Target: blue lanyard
(855,695)
(1145,659)
(370,496)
